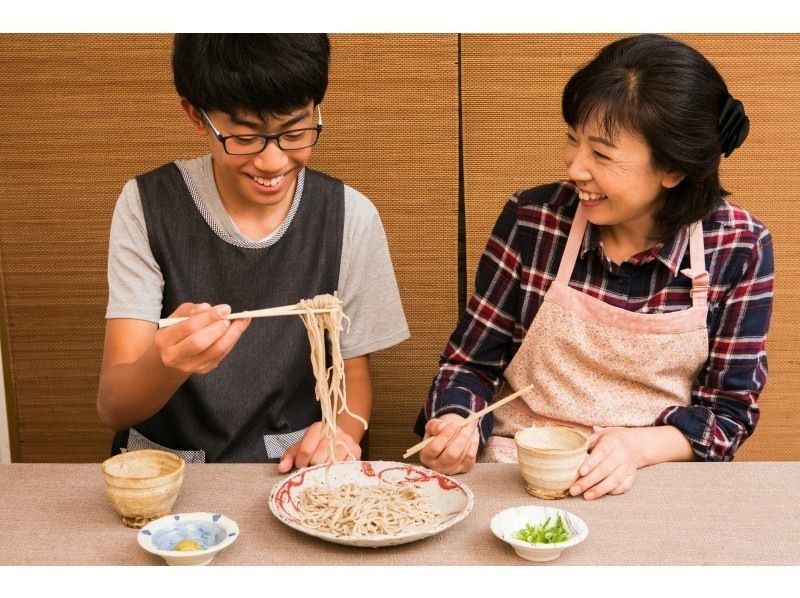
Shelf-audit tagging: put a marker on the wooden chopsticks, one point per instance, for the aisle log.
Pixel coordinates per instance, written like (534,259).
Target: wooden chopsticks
(474,416)
(284,310)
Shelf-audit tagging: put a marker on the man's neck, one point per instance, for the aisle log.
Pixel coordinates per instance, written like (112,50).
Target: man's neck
(254,221)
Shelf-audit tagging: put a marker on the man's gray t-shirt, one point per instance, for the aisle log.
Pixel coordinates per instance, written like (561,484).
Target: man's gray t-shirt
(367,285)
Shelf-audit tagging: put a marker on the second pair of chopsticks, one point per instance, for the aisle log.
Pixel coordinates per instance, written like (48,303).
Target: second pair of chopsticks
(284,310)
(474,416)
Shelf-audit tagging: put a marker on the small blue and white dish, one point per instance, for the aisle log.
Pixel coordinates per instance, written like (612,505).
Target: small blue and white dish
(197,536)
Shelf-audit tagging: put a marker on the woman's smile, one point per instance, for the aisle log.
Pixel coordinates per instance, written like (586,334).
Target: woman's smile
(591,198)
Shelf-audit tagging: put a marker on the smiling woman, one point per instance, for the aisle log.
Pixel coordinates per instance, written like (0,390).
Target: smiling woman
(602,291)
(617,186)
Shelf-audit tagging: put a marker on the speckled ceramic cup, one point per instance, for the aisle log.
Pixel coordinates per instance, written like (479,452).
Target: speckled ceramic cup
(143,485)
(549,459)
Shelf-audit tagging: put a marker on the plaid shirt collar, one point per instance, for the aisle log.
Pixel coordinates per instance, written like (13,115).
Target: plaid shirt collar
(669,252)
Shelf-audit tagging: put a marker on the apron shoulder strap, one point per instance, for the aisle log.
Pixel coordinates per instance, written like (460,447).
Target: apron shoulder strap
(573,247)
(697,272)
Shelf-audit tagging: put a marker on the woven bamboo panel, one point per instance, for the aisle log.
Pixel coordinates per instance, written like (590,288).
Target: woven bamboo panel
(391,131)
(85,113)
(513,136)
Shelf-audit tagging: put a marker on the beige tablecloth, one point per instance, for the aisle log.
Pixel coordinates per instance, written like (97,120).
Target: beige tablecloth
(676,514)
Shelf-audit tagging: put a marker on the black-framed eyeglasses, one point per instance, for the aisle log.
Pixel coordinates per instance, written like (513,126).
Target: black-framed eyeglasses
(243,145)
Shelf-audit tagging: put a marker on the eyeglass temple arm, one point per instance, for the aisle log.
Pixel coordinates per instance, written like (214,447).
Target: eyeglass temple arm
(213,128)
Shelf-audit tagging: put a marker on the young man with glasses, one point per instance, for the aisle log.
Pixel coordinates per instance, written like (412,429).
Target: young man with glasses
(246,226)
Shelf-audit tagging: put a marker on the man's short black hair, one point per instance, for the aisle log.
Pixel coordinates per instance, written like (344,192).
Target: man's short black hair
(265,74)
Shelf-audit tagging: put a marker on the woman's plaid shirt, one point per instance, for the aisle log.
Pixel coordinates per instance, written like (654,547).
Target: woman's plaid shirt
(521,260)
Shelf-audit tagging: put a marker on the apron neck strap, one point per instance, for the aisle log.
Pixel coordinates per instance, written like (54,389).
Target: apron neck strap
(573,247)
(697,272)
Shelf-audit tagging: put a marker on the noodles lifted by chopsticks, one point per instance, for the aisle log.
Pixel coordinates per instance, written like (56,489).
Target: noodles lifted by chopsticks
(330,385)
(349,509)
(353,510)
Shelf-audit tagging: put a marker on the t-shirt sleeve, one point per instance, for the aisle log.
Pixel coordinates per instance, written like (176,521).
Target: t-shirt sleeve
(135,282)
(367,284)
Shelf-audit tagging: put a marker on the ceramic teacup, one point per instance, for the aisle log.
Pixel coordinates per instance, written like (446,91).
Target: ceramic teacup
(549,459)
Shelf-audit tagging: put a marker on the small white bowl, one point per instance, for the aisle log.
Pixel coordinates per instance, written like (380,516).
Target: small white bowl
(505,523)
(212,531)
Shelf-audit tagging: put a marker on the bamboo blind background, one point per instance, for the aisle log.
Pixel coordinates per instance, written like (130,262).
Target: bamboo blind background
(513,136)
(82,114)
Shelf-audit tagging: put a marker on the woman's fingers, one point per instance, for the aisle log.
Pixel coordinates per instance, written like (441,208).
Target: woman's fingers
(592,476)
(611,484)
(443,433)
(470,450)
(609,468)
(454,447)
(346,448)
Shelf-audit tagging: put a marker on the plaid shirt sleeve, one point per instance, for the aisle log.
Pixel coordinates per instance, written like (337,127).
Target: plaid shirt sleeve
(724,409)
(480,348)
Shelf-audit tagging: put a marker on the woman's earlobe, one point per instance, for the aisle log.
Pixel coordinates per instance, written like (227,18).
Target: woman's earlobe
(672,179)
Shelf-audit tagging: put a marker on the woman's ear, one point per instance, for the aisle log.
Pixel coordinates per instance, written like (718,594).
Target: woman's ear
(197,120)
(672,179)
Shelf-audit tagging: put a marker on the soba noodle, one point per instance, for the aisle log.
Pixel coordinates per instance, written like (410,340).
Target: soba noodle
(353,510)
(330,385)
(349,509)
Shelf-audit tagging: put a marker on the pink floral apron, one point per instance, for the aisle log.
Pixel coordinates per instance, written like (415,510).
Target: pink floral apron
(592,363)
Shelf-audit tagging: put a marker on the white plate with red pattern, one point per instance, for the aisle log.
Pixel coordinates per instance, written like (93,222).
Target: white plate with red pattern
(453,500)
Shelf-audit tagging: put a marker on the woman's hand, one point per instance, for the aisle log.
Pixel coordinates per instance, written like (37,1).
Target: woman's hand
(312,449)
(199,344)
(455,447)
(615,455)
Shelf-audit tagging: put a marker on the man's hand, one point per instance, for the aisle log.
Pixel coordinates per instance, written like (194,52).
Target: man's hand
(199,344)
(312,449)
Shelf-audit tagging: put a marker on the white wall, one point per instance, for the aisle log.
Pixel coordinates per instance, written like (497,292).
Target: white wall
(5,445)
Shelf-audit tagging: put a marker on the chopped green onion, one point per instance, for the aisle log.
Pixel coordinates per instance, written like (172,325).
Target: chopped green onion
(545,533)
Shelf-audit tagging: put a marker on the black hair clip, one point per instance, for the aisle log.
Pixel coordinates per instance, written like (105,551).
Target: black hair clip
(733,126)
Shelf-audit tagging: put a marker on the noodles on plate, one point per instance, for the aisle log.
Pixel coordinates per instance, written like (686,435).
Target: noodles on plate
(354,510)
